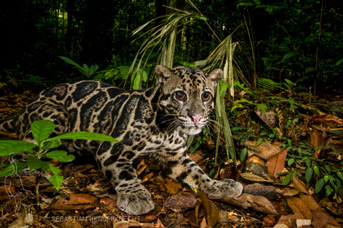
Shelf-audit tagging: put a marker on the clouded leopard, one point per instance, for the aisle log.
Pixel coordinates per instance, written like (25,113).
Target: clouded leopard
(155,121)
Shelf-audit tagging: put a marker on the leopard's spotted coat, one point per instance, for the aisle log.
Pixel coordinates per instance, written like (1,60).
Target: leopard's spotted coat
(155,121)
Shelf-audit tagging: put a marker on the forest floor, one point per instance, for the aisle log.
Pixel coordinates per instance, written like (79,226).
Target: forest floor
(290,164)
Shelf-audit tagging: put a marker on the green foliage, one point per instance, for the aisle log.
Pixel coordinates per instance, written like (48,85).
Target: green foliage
(41,130)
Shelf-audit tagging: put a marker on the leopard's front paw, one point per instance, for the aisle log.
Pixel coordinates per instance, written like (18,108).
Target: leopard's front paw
(226,188)
(135,202)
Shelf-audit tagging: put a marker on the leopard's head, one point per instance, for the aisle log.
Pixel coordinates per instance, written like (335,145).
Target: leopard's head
(187,96)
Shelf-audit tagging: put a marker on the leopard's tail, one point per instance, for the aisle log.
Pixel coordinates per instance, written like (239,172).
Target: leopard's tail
(7,125)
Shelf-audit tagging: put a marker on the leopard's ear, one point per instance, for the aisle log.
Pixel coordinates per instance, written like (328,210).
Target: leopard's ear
(162,72)
(215,76)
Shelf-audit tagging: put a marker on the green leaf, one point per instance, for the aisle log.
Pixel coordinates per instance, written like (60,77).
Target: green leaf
(316,170)
(340,175)
(326,178)
(288,178)
(51,144)
(308,162)
(8,147)
(60,155)
(289,55)
(308,174)
(14,167)
(319,185)
(328,190)
(327,168)
(34,163)
(259,141)
(290,161)
(56,180)
(83,135)
(243,154)
(339,62)
(69,61)
(41,130)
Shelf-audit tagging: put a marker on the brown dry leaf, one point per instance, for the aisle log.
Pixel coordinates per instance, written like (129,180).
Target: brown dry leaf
(229,172)
(289,220)
(317,139)
(298,184)
(108,201)
(258,203)
(7,189)
(71,223)
(158,197)
(147,177)
(159,224)
(329,119)
(196,156)
(303,222)
(173,187)
(276,163)
(211,209)
(299,206)
(76,202)
(253,177)
(203,223)
(223,217)
(265,150)
(162,188)
(322,219)
(24,220)
(192,218)
(268,117)
(309,202)
(270,192)
(269,221)
(181,201)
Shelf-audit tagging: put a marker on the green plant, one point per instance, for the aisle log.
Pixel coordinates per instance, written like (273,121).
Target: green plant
(41,130)
(117,73)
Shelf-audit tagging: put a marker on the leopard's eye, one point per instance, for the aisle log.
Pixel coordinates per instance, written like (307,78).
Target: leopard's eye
(206,96)
(180,96)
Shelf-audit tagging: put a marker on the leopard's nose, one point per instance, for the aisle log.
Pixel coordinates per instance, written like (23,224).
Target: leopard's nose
(196,118)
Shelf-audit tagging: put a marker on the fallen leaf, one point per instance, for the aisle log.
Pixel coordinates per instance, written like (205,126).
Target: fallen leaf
(203,223)
(298,206)
(192,218)
(276,163)
(24,220)
(269,221)
(331,120)
(108,201)
(317,139)
(211,209)
(268,117)
(76,202)
(181,201)
(303,222)
(298,184)
(71,223)
(265,150)
(289,220)
(309,202)
(258,203)
(147,177)
(270,192)
(7,189)
(290,191)
(322,219)
(196,156)
(173,187)
(256,178)
(223,217)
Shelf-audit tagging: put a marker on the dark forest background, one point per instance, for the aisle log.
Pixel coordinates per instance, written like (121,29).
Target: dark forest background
(292,39)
